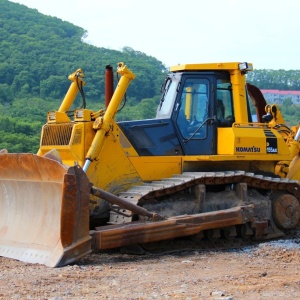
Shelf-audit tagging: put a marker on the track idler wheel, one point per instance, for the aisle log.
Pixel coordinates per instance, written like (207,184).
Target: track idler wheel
(286,211)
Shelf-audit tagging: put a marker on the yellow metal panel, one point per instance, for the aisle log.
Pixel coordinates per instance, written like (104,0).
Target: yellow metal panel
(89,134)
(188,103)
(250,142)
(68,155)
(238,82)
(57,117)
(234,140)
(156,167)
(112,170)
(225,141)
(232,157)
(71,145)
(209,66)
(81,115)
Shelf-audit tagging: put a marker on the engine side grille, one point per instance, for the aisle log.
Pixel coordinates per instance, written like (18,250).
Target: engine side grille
(57,134)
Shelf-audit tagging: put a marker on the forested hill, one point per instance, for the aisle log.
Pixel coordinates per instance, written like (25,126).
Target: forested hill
(38,52)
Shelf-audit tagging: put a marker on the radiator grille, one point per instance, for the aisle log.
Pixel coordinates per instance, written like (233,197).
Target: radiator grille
(57,134)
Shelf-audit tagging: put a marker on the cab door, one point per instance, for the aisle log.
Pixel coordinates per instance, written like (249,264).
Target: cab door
(193,114)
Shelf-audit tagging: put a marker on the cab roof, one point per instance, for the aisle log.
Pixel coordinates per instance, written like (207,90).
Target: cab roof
(244,66)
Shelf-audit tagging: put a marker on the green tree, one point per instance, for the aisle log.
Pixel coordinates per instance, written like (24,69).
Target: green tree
(6,95)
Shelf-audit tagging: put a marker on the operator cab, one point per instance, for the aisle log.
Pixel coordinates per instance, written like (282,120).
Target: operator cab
(197,103)
(193,105)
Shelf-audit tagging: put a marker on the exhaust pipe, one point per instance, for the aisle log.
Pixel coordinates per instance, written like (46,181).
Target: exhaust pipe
(109,84)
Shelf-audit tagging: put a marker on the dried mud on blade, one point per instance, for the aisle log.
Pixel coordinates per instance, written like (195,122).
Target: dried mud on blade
(44,210)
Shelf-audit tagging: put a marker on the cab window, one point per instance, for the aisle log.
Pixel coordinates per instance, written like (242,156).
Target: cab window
(224,106)
(193,107)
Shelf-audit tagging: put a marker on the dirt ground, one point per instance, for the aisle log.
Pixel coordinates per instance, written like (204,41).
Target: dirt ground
(265,271)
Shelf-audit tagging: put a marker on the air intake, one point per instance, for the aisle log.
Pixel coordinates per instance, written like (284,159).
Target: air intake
(57,134)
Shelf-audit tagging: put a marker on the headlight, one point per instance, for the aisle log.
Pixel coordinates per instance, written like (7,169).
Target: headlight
(79,113)
(51,115)
(245,66)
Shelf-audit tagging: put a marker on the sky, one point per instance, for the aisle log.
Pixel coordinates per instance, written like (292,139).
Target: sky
(263,32)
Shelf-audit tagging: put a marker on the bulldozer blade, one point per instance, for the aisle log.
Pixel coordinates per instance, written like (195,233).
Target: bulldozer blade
(44,210)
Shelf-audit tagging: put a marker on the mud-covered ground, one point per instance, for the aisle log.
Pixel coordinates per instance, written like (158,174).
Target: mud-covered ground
(265,271)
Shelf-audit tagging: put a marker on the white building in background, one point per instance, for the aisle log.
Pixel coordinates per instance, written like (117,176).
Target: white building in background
(277,96)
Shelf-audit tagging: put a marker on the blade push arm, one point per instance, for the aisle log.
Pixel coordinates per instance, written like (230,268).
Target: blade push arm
(103,123)
(76,79)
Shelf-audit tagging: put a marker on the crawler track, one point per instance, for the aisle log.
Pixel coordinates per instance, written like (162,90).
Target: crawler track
(156,189)
(276,200)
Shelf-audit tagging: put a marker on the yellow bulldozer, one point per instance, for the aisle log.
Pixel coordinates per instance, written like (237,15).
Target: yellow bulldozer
(216,161)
